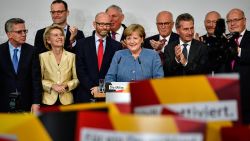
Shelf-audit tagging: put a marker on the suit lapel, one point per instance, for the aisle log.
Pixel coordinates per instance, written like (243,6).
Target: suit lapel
(92,53)
(9,64)
(193,50)
(66,44)
(52,59)
(63,59)
(244,40)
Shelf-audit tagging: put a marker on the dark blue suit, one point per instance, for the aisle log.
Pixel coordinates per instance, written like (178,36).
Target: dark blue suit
(27,80)
(39,44)
(87,68)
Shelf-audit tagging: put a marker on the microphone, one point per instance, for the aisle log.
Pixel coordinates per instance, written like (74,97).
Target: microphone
(139,61)
(233,35)
(119,60)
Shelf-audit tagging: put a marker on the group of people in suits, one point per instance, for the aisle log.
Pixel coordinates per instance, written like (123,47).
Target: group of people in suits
(65,67)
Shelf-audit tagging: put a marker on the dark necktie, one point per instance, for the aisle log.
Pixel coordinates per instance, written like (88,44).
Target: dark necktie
(163,41)
(15,60)
(184,50)
(113,35)
(162,56)
(233,61)
(100,53)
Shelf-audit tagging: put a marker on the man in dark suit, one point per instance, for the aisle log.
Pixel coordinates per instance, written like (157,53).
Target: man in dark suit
(164,23)
(93,58)
(59,13)
(20,74)
(236,22)
(185,56)
(116,28)
(216,62)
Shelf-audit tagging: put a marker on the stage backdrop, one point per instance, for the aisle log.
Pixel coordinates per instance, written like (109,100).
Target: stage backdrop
(82,12)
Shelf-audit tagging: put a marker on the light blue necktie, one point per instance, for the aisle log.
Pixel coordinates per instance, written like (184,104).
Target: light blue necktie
(15,60)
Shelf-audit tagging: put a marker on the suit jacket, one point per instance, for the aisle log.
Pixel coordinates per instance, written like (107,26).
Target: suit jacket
(173,37)
(39,44)
(87,66)
(197,60)
(64,73)
(27,81)
(243,64)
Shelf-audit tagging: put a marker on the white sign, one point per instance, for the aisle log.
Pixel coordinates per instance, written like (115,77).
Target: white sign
(118,86)
(92,134)
(8,137)
(207,111)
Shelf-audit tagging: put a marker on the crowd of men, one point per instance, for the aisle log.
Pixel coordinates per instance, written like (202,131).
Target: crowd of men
(181,53)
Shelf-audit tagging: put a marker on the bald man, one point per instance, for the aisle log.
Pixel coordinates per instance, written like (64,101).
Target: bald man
(236,22)
(216,62)
(89,67)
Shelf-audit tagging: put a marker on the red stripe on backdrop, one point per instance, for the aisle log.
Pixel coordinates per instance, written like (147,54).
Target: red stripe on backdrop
(142,93)
(227,89)
(91,119)
(185,125)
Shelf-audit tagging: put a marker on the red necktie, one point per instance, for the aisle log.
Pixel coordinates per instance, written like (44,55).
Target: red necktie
(100,53)
(233,61)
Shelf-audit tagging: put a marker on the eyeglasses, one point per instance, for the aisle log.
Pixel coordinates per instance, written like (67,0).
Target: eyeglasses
(234,20)
(57,12)
(103,24)
(166,24)
(21,31)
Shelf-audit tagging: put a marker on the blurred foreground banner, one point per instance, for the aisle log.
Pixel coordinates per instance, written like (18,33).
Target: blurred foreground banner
(215,100)
(22,127)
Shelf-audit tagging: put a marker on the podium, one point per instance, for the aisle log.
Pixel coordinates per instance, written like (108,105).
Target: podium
(117,92)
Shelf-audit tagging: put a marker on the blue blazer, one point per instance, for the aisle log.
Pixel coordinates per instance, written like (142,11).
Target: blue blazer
(125,68)
(87,67)
(27,80)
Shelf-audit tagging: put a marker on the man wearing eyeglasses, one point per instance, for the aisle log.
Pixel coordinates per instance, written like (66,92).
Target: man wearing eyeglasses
(20,74)
(164,23)
(93,58)
(236,22)
(59,13)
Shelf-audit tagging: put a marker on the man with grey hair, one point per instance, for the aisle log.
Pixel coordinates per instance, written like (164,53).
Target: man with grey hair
(165,24)
(236,22)
(20,75)
(210,22)
(185,56)
(216,62)
(117,17)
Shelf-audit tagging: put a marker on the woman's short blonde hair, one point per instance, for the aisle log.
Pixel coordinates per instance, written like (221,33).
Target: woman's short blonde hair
(135,28)
(47,32)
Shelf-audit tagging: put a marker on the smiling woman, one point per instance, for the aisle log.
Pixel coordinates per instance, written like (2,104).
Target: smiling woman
(57,69)
(135,63)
